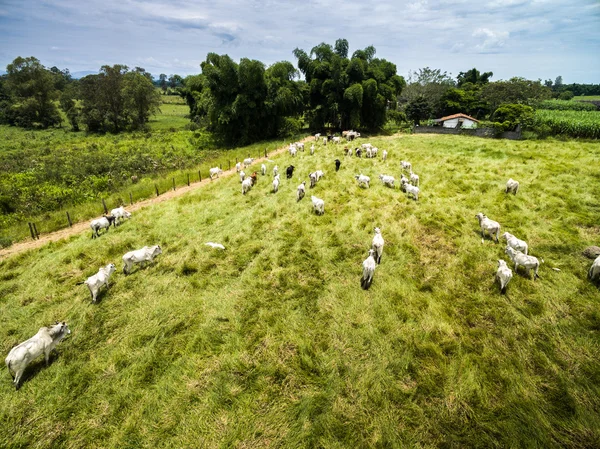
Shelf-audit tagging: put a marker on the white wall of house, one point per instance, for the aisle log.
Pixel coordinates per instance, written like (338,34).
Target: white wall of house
(466,123)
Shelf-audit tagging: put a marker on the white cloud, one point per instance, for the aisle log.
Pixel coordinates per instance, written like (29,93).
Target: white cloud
(508,37)
(489,40)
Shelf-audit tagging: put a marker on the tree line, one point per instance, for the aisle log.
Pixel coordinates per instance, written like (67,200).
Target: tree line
(116,99)
(246,101)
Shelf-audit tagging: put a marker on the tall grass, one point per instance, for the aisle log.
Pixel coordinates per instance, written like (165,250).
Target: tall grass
(566,105)
(272,343)
(45,174)
(577,124)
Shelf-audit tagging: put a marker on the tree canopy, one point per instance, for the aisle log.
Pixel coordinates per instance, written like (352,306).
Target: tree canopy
(348,93)
(31,92)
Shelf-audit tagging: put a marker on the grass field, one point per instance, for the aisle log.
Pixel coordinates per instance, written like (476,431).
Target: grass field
(587,98)
(571,124)
(272,343)
(46,173)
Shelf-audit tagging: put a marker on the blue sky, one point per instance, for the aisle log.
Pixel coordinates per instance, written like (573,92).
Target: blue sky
(529,38)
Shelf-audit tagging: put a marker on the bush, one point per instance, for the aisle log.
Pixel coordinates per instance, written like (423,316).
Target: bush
(511,115)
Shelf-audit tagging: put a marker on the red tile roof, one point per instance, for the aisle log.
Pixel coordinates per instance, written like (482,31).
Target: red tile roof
(450,117)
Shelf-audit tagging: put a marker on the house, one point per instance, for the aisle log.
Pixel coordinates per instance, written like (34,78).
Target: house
(457,121)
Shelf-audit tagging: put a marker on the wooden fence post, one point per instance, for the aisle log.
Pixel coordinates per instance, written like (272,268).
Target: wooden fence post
(69,220)
(200,175)
(130,199)
(173,184)
(104,205)
(229,162)
(31,231)
(37,234)
(156,188)
(188,179)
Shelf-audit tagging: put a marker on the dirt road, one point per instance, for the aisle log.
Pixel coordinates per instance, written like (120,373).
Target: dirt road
(85,225)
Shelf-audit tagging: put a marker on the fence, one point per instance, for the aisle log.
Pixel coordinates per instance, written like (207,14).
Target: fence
(160,187)
(478,132)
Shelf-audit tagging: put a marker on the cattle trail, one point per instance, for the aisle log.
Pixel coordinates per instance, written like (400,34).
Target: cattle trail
(81,226)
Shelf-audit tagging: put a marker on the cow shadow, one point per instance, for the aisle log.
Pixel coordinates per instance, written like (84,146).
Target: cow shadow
(36,366)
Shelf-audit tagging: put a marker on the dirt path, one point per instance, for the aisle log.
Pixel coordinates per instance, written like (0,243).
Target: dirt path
(84,225)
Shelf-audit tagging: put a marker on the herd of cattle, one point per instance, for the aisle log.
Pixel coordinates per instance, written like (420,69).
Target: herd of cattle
(45,340)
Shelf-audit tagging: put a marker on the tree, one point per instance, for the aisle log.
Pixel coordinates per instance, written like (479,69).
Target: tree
(418,109)
(162,82)
(31,90)
(474,77)
(429,84)
(515,90)
(141,98)
(348,93)
(511,115)
(558,82)
(68,103)
(117,99)
(175,81)
(243,103)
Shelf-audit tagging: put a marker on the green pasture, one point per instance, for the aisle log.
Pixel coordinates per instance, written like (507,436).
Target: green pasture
(272,343)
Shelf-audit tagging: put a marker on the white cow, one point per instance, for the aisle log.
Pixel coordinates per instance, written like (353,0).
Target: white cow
(101,223)
(99,279)
(41,343)
(120,214)
(147,253)
(368,271)
(215,171)
(318,205)
(246,185)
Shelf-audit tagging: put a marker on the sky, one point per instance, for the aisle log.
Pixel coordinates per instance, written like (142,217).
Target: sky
(534,39)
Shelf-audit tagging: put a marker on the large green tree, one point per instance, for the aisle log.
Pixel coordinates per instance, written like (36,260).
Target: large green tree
(515,90)
(116,99)
(32,93)
(245,102)
(348,93)
(429,85)
(474,77)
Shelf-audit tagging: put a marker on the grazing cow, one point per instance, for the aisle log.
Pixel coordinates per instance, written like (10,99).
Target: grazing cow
(248,162)
(99,279)
(337,164)
(263,169)
(318,205)
(145,254)
(238,167)
(301,191)
(246,185)
(289,172)
(101,223)
(120,214)
(368,271)
(253,178)
(215,171)
(41,343)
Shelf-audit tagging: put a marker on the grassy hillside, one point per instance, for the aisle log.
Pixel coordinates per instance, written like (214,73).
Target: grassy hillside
(272,343)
